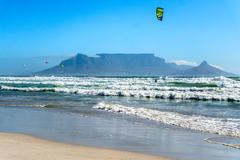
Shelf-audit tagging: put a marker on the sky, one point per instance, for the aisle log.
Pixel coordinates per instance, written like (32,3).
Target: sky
(34,31)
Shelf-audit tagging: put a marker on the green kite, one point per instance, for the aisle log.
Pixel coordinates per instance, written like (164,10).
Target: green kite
(159,13)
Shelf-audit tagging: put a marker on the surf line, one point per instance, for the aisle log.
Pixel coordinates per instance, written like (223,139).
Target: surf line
(236,146)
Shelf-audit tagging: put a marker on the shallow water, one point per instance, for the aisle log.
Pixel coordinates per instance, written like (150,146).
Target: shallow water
(76,118)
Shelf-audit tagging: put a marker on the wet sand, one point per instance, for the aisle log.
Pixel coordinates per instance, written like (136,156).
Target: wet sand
(24,147)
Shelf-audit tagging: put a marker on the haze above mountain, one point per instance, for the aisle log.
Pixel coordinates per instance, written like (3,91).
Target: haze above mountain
(129,65)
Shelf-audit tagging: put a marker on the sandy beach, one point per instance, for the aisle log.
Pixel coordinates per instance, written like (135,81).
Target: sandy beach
(23,147)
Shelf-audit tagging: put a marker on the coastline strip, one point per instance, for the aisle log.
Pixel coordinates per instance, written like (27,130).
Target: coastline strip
(24,147)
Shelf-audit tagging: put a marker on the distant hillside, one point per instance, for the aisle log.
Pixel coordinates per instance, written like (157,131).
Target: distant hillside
(126,65)
(112,64)
(204,70)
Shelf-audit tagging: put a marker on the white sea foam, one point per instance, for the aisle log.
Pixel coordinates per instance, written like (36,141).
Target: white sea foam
(227,126)
(226,89)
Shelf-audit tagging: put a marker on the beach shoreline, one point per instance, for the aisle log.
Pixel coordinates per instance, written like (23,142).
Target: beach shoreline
(24,147)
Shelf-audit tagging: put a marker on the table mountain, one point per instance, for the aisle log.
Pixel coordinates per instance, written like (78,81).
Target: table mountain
(127,65)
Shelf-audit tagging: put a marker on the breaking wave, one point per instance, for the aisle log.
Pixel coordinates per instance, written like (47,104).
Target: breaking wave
(221,126)
(216,88)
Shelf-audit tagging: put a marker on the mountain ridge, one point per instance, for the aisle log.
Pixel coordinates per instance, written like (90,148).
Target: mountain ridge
(205,70)
(119,64)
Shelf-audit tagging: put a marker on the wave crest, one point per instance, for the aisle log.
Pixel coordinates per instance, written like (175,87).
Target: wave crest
(229,127)
(216,89)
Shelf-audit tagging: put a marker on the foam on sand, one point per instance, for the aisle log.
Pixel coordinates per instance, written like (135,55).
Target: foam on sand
(222,142)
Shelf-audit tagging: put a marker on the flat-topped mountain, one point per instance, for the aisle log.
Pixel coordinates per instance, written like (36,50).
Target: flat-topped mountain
(112,64)
(127,65)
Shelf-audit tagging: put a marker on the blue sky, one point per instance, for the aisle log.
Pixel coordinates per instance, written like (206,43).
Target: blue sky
(192,30)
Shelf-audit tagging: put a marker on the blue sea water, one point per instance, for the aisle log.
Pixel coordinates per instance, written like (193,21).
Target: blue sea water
(135,123)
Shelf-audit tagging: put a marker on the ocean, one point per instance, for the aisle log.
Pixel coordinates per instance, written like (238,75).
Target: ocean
(181,118)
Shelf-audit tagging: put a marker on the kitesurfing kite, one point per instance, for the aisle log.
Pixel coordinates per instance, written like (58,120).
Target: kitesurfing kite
(159,13)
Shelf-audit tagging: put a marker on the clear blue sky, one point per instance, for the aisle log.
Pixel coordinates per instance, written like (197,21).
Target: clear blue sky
(192,30)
